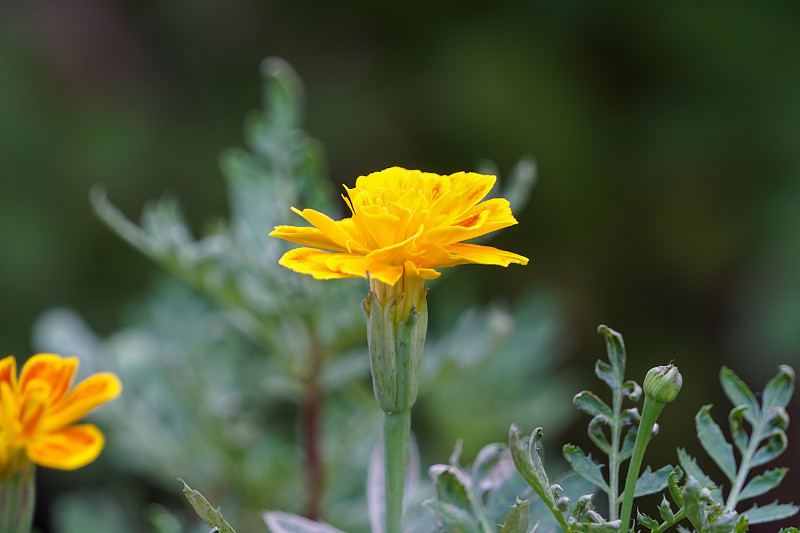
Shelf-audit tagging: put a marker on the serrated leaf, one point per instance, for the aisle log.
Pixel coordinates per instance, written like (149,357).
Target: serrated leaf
(651,482)
(771,512)
(585,466)
(763,483)
(518,518)
(689,466)
(778,390)
(714,442)
(775,446)
(646,521)
(739,394)
(672,484)
(209,515)
(735,421)
(615,347)
(590,404)
(281,522)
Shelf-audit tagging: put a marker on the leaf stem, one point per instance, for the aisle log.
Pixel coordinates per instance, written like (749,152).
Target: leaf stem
(744,468)
(396,432)
(613,460)
(650,411)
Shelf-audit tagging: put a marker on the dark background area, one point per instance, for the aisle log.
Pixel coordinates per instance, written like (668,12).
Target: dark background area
(666,138)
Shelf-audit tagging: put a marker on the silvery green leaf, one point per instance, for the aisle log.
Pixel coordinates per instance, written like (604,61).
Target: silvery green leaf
(778,390)
(651,482)
(771,512)
(763,483)
(775,446)
(606,372)
(593,527)
(632,390)
(280,522)
(789,530)
(714,442)
(615,347)
(518,519)
(778,421)
(585,466)
(689,466)
(454,487)
(739,394)
(209,515)
(597,434)
(735,420)
(453,518)
(528,461)
(590,404)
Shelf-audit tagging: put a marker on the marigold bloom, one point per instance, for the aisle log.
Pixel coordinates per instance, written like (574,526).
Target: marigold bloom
(38,412)
(404,224)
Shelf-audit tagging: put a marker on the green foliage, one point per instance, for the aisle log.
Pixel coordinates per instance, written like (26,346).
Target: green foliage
(695,497)
(220,360)
(212,517)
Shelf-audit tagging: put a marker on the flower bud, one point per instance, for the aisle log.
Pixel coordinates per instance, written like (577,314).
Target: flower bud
(663,383)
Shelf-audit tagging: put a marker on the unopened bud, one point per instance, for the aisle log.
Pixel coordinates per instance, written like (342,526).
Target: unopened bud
(663,383)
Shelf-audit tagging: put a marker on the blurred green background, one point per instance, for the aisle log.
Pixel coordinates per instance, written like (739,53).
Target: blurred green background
(666,138)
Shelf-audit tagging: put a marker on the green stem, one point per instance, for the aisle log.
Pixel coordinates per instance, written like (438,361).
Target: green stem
(613,460)
(744,468)
(17,500)
(650,411)
(396,431)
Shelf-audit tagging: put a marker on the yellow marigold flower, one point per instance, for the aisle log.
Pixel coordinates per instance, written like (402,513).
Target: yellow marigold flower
(404,224)
(38,412)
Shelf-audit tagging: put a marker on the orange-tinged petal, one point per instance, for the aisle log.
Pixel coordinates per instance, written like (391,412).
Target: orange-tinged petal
(315,263)
(468,188)
(8,371)
(54,370)
(67,449)
(487,255)
(88,394)
(481,219)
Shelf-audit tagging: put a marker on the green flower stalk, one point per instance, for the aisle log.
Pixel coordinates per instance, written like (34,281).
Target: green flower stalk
(661,386)
(17,496)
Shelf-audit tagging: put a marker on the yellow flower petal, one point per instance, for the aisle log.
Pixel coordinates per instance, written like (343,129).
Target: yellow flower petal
(88,394)
(403,221)
(486,255)
(52,369)
(67,449)
(315,263)
(8,371)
